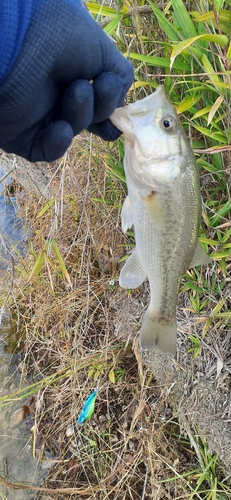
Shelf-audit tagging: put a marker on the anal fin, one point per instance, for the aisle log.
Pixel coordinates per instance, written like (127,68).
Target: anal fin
(132,274)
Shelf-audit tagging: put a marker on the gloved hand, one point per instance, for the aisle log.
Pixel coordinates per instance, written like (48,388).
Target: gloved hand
(68,76)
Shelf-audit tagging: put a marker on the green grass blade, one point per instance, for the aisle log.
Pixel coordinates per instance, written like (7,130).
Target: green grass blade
(224,315)
(183,19)
(208,241)
(224,16)
(145,83)
(35,387)
(167,27)
(220,255)
(229,52)
(37,265)
(221,213)
(61,262)
(188,102)
(222,40)
(112,25)
(218,4)
(210,70)
(100,10)
(163,62)
(49,204)
(216,136)
(201,112)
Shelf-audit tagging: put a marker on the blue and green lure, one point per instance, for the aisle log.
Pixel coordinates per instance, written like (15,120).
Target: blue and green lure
(88,408)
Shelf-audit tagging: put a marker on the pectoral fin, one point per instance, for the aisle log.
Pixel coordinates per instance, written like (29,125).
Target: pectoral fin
(200,257)
(127,218)
(132,274)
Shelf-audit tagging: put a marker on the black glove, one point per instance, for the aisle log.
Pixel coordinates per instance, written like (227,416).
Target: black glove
(69,76)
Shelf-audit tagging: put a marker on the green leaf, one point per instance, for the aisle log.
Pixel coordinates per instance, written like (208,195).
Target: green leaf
(112,25)
(90,372)
(207,241)
(61,262)
(21,271)
(196,346)
(228,55)
(224,16)
(145,83)
(188,102)
(167,27)
(218,4)
(194,303)
(96,374)
(37,265)
(224,315)
(183,18)
(49,204)
(115,169)
(221,213)
(111,376)
(201,112)
(19,394)
(209,69)
(217,136)
(101,10)
(157,61)
(219,255)
(222,40)
(217,308)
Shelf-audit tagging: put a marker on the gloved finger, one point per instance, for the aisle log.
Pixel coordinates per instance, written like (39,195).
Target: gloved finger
(51,143)
(78,105)
(106,130)
(108,94)
(98,52)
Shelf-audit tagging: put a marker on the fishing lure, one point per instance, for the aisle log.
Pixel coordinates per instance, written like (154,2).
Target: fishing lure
(88,408)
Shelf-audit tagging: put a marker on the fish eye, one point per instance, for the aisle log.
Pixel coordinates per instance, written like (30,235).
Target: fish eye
(168,124)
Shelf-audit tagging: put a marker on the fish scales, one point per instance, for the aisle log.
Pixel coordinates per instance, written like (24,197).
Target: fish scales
(152,234)
(164,205)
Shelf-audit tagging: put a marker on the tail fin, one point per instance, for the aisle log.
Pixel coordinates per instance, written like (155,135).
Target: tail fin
(158,333)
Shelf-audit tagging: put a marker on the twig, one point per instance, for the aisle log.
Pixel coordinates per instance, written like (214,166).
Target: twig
(142,10)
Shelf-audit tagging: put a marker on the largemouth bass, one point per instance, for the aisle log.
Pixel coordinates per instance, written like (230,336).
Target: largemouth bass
(164,205)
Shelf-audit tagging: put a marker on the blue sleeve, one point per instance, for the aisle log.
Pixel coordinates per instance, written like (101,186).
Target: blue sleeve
(15,16)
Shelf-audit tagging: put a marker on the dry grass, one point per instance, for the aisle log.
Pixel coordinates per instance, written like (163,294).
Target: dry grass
(158,425)
(132,446)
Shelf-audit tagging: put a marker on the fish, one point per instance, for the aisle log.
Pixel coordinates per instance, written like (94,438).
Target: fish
(88,408)
(164,206)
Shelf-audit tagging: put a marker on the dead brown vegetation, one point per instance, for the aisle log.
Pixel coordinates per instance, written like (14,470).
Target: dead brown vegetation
(143,440)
